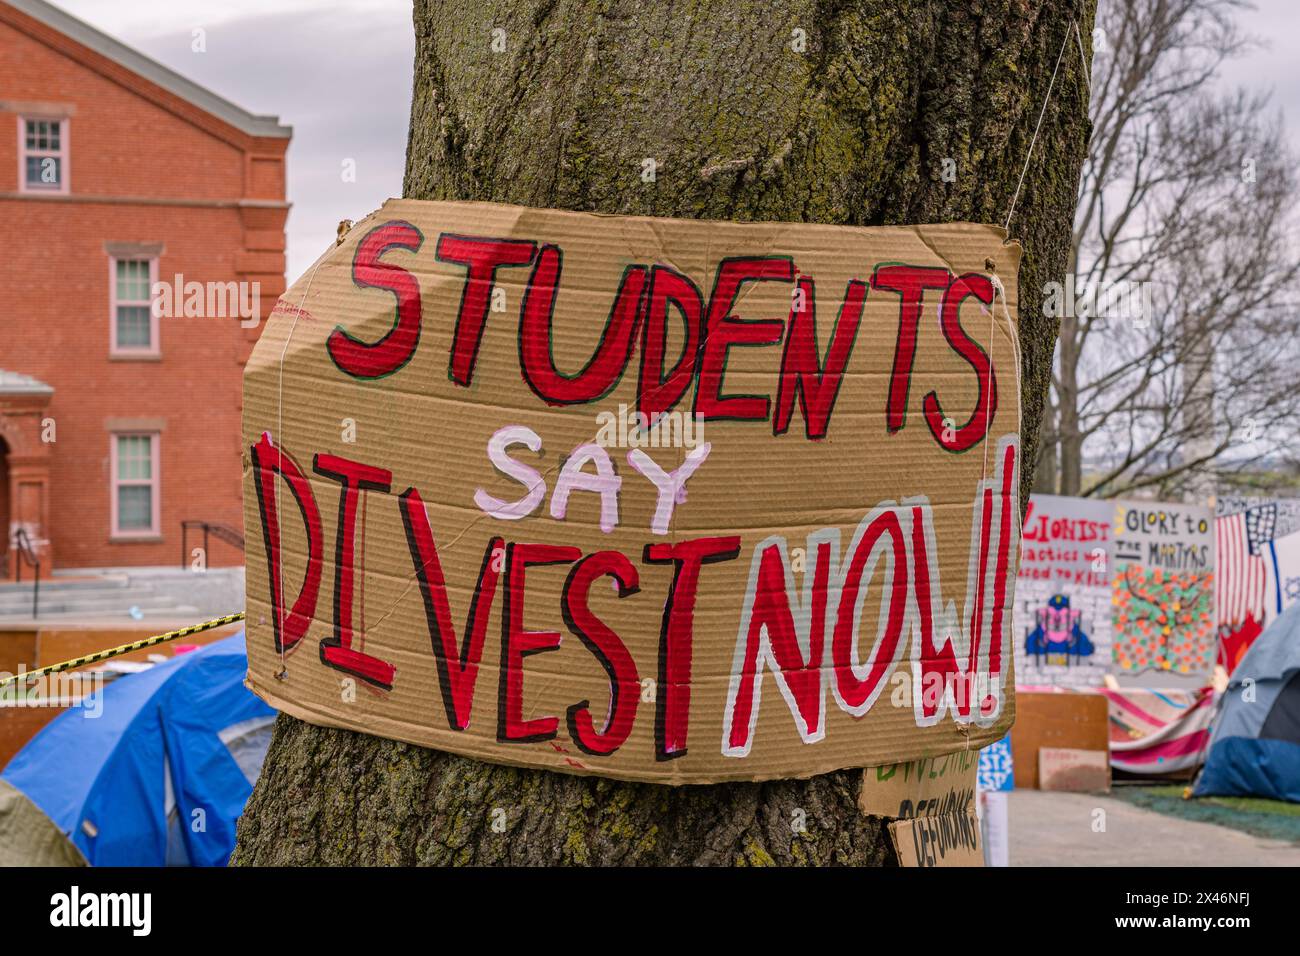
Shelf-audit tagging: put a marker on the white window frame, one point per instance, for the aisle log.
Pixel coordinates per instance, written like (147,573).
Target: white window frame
(65,168)
(154,482)
(153,350)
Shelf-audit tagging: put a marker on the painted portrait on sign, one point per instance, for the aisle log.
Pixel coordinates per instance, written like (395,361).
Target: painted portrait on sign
(1063,593)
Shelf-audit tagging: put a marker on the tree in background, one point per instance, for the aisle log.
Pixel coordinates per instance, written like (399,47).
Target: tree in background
(866,113)
(1177,355)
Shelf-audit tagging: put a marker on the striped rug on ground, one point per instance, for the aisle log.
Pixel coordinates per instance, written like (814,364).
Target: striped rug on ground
(1157,732)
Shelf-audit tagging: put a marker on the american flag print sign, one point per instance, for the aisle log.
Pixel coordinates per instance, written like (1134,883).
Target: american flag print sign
(1242,541)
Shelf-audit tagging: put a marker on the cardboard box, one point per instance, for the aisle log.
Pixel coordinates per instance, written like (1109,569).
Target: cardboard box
(1075,721)
(1076,771)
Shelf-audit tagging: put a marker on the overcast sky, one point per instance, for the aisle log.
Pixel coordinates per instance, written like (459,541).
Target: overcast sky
(339,73)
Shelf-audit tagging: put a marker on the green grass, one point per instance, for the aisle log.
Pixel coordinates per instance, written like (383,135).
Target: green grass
(1273,819)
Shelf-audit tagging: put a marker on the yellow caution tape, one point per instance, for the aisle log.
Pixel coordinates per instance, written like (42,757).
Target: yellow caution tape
(124,649)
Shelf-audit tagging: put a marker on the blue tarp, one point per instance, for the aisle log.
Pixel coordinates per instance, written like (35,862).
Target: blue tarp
(162,775)
(1242,766)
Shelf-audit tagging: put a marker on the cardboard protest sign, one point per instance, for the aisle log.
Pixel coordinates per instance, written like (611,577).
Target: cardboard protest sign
(1283,516)
(933,806)
(930,786)
(1063,593)
(1283,574)
(996,767)
(662,500)
(1164,587)
(1257,553)
(951,839)
(1244,530)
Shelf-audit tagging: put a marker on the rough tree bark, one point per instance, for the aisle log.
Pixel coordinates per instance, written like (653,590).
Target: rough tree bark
(740,124)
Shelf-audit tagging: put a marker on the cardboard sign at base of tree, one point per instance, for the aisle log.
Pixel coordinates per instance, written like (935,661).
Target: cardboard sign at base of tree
(949,840)
(931,786)
(663,500)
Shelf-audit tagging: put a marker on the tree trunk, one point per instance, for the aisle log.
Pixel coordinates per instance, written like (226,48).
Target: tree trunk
(808,111)
(1070,442)
(1047,469)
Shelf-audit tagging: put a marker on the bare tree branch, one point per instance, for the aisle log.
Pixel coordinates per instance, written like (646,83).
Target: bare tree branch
(1178,320)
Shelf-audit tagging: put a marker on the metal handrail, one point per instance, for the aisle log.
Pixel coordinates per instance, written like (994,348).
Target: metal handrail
(26,552)
(222,532)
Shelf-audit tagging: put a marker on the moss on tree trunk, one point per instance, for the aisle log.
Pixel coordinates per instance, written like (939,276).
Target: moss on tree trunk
(865,113)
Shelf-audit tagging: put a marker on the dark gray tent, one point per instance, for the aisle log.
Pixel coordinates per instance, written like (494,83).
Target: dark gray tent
(1255,749)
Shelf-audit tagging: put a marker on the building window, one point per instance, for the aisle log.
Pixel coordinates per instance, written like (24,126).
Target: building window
(135,485)
(134,325)
(42,155)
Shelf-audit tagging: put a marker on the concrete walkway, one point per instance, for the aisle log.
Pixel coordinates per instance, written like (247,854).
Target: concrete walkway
(1066,829)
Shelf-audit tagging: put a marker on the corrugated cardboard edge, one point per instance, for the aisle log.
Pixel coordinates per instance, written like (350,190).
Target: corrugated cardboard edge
(980,736)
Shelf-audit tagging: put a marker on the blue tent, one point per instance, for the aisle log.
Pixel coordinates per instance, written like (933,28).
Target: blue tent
(161,776)
(1255,750)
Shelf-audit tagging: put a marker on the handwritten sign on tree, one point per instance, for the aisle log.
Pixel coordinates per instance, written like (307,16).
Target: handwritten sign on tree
(663,500)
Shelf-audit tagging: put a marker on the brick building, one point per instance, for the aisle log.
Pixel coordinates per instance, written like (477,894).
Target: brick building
(119,406)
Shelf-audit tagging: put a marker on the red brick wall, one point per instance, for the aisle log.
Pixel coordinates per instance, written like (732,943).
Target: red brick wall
(143,169)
